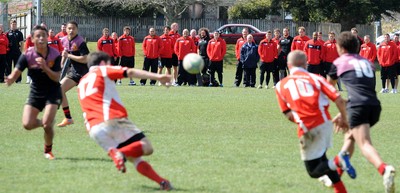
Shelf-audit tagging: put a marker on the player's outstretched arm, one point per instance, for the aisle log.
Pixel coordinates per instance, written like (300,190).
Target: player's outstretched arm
(163,78)
(10,79)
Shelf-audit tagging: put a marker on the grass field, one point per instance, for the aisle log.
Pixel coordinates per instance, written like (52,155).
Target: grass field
(209,140)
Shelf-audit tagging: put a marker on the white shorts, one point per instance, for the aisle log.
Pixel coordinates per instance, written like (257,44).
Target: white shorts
(113,132)
(314,143)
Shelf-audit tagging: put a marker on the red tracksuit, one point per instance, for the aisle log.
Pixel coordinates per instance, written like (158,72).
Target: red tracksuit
(126,46)
(152,47)
(368,51)
(299,42)
(216,49)
(107,45)
(116,46)
(329,52)
(168,46)
(55,43)
(268,50)
(28,42)
(61,35)
(174,36)
(238,47)
(313,50)
(184,46)
(3,43)
(387,54)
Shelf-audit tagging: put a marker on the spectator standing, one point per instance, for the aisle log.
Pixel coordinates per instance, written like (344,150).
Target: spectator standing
(313,50)
(15,41)
(63,31)
(249,57)
(114,36)
(183,46)
(127,50)
(239,65)
(3,53)
(387,55)
(268,51)
(107,45)
(54,42)
(300,41)
(216,51)
(167,52)
(368,49)
(204,38)
(152,47)
(174,36)
(284,47)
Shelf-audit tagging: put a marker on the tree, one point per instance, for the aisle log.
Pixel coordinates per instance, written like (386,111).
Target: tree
(251,9)
(346,12)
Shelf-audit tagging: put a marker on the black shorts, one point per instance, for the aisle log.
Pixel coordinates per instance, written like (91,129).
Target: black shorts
(363,114)
(165,62)
(397,68)
(316,69)
(388,72)
(217,66)
(131,140)
(127,61)
(267,67)
(54,98)
(174,60)
(282,62)
(76,77)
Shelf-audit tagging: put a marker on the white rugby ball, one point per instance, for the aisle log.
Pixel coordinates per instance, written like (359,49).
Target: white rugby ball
(193,63)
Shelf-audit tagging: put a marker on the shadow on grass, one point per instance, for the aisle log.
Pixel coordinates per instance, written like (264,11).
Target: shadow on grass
(152,189)
(78,159)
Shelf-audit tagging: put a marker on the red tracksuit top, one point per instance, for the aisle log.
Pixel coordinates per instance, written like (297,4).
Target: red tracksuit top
(329,52)
(313,50)
(216,49)
(152,47)
(116,47)
(107,45)
(184,46)
(299,42)
(3,43)
(268,50)
(387,54)
(168,46)
(126,46)
(238,47)
(28,42)
(174,36)
(61,35)
(55,43)
(368,51)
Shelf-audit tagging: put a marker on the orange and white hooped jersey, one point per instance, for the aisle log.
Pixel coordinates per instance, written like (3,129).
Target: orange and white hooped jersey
(98,95)
(306,96)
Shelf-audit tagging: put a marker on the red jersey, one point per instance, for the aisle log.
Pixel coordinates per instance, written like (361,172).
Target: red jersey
(60,35)
(299,42)
(238,47)
(126,46)
(3,43)
(306,96)
(313,50)
(276,40)
(98,96)
(116,46)
(195,40)
(387,54)
(152,47)
(174,36)
(184,46)
(368,51)
(107,45)
(268,50)
(55,43)
(28,42)
(216,49)
(168,46)
(329,51)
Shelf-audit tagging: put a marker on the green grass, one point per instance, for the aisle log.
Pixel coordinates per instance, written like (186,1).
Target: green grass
(208,140)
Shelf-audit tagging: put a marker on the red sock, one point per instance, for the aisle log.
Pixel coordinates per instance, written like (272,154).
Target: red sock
(132,150)
(146,170)
(47,148)
(381,169)
(339,187)
(336,161)
(67,113)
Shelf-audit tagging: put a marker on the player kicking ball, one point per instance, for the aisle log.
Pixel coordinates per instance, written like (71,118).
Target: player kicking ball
(106,118)
(43,63)
(304,99)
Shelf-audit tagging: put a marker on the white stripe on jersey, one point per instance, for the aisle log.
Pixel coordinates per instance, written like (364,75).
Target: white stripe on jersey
(109,93)
(323,99)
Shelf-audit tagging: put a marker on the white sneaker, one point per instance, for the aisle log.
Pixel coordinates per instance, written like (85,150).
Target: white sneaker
(119,82)
(384,90)
(388,179)
(266,86)
(326,181)
(394,91)
(259,86)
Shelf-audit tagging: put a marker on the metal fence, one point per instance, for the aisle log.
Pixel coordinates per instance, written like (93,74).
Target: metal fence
(91,27)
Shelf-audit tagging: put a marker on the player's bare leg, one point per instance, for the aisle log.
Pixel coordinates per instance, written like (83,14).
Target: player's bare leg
(175,75)
(159,71)
(48,123)
(29,118)
(66,85)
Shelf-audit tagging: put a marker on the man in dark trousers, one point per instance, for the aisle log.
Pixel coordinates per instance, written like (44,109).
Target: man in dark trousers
(239,65)
(15,39)
(249,58)
(283,50)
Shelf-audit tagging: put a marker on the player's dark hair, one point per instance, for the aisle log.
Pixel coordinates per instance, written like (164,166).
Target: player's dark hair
(95,58)
(169,28)
(38,27)
(348,41)
(73,23)
(64,24)
(127,27)
(206,31)
(397,35)
(13,21)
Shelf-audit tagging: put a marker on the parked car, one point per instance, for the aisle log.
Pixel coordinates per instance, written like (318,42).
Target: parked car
(231,32)
(381,38)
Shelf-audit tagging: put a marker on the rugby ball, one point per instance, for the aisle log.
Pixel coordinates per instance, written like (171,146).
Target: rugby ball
(193,63)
